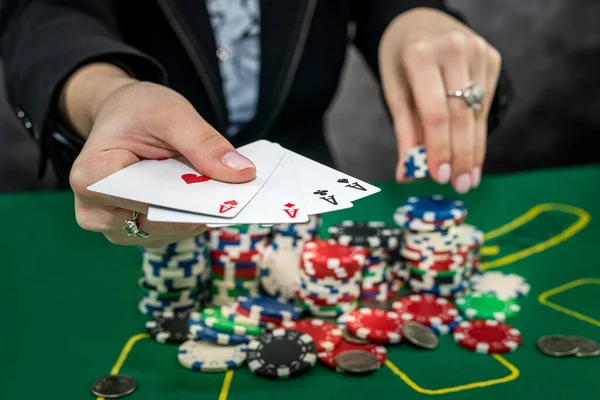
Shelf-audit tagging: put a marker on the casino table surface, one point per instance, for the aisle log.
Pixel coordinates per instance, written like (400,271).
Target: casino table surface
(70,304)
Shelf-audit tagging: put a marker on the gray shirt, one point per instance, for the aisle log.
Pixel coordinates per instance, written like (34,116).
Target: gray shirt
(236,25)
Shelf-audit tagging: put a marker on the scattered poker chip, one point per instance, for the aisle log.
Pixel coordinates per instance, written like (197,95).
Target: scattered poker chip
(213,318)
(447,328)
(486,306)
(373,234)
(280,265)
(169,328)
(229,312)
(199,330)
(375,325)
(435,208)
(204,356)
(325,335)
(328,357)
(270,307)
(503,285)
(415,165)
(487,336)
(425,309)
(281,354)
(255,315)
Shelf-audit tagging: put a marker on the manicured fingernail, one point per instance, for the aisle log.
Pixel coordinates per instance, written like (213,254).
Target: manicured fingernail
(476,177)
(444,173)
(463,183)
(235,160)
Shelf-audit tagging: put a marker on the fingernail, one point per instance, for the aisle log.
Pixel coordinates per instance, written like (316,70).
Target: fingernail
(444,173)
(463,183)
(476,177)
(235,160)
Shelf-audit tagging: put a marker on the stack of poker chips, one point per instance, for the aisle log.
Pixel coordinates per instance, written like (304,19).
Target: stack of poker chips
(434,262)
(330,276)
(280,264)
(379,241)
(306,231)
(234,253)
(172,277)
(470,240)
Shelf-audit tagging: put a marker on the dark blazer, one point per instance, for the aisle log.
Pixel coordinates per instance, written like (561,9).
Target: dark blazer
(303,45)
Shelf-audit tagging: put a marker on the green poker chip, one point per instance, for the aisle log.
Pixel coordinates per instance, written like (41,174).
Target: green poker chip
(213,318)
(486,306)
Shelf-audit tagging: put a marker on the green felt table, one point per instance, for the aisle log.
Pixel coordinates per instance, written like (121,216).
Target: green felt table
(69,304)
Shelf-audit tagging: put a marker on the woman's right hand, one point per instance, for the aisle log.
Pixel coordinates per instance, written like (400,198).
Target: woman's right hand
(126,121)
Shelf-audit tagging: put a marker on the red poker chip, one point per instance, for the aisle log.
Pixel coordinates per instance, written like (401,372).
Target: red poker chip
(325,334)
(238,273)
(223,236)
(240,257)
(487,336)
(375,325)
(328,357)
(331,254)
(426,309)
(325,300)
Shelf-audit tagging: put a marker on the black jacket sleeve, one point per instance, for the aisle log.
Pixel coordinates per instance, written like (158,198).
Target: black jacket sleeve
(44,41)
(373,17)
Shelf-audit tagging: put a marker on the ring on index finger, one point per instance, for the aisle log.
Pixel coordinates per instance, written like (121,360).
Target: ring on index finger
(132,228)
(473,95)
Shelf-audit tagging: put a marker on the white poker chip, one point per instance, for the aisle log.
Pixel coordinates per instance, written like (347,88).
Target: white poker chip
(505,286)
(280,267)
(204,356)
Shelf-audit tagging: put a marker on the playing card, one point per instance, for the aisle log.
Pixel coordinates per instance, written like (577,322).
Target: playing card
(343,187)
(174,183)
(279,201)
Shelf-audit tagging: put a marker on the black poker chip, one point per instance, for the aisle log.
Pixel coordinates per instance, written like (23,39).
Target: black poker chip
(281,354)
(372,234)
(171,328)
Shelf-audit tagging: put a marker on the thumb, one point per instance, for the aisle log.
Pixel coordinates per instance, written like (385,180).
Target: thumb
(208,151)
(406,125)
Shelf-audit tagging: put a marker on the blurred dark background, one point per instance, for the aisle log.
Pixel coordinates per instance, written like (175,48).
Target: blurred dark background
(551,49)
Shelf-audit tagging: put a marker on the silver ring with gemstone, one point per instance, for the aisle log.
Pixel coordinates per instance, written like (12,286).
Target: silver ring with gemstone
(473,95)
(132,228)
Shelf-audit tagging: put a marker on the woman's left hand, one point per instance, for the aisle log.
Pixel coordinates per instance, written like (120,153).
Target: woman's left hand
(423,54)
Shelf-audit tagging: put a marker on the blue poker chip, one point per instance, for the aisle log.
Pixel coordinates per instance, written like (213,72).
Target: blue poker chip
(199,330)
(271,307)
(445,329)
(415,165)
(435,208)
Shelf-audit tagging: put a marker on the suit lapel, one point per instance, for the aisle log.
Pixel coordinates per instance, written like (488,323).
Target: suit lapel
(191,22)
(282,24)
